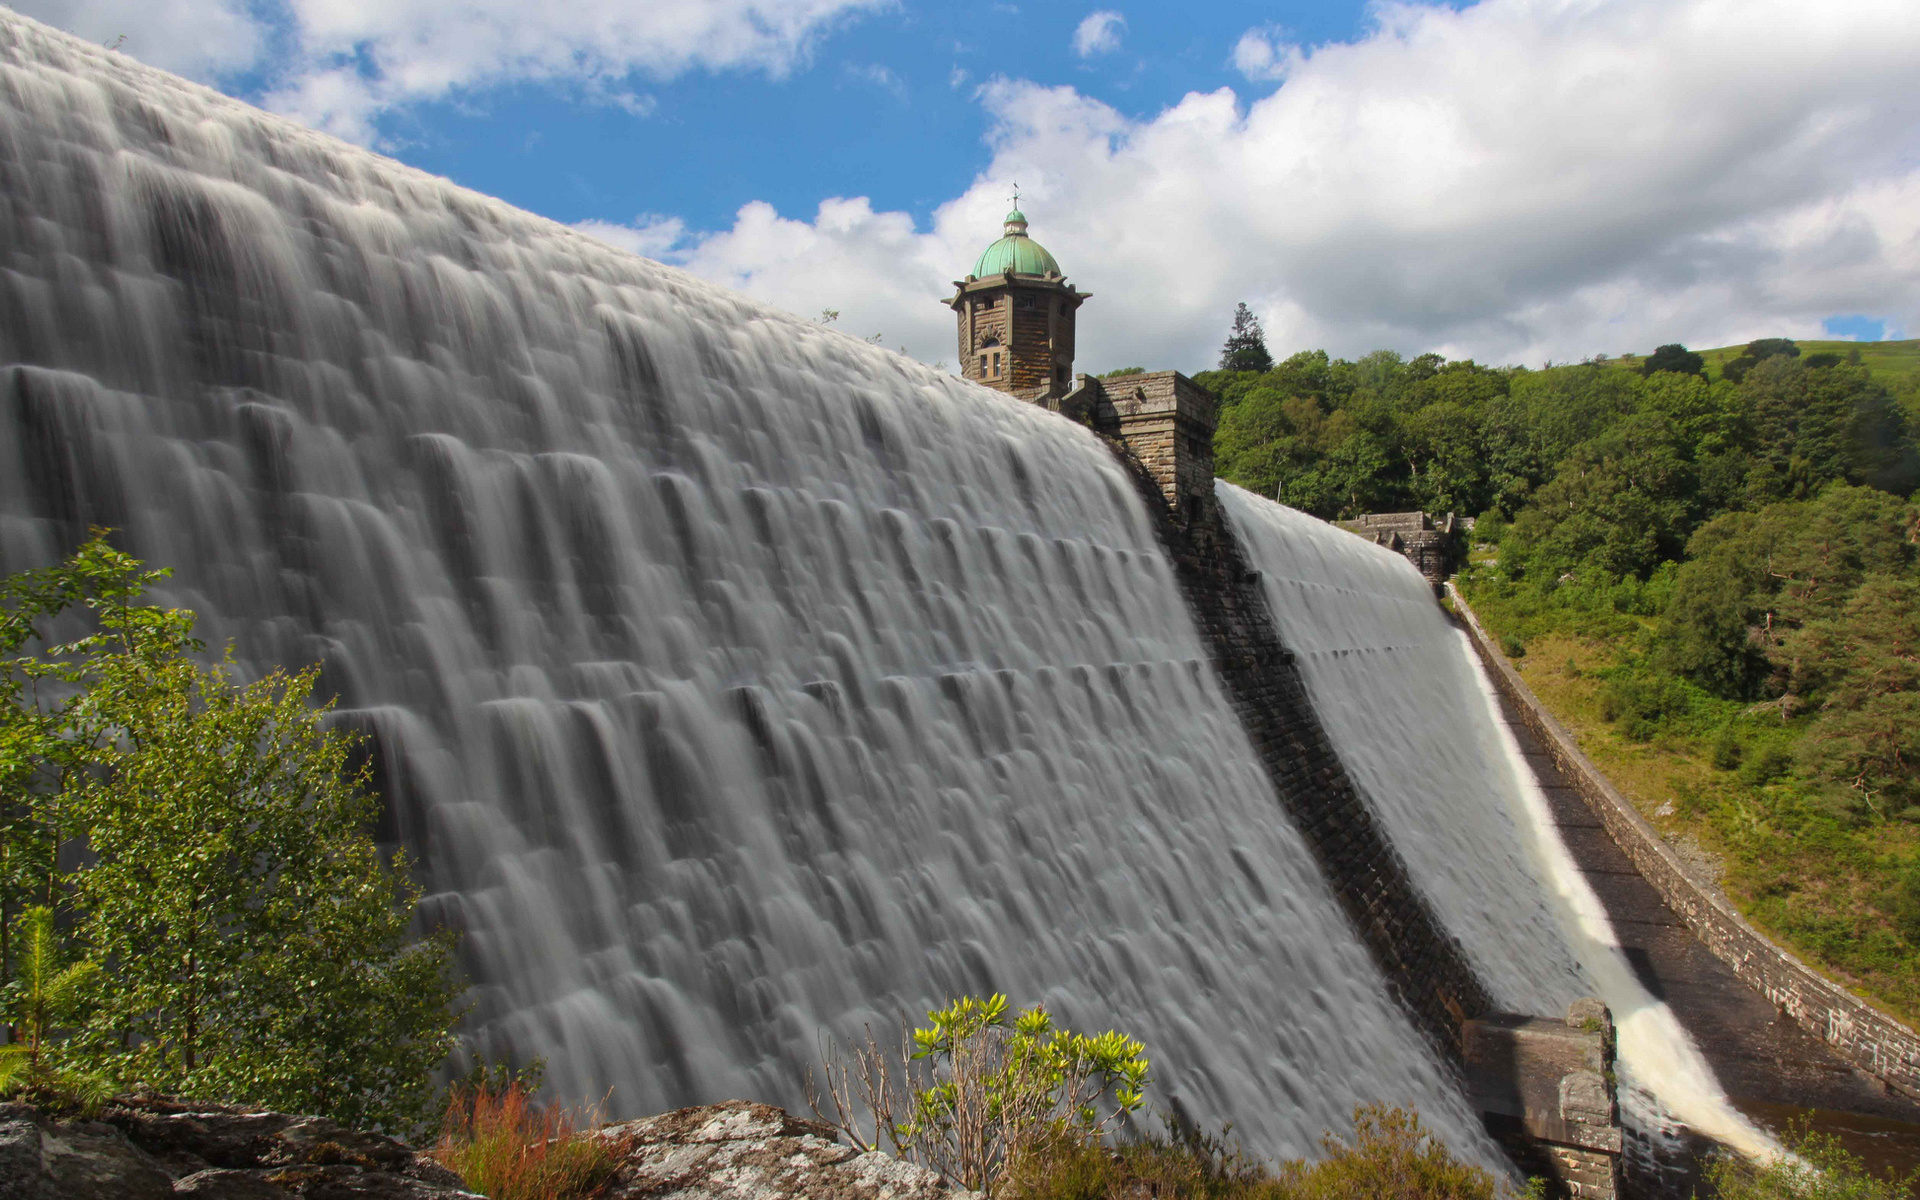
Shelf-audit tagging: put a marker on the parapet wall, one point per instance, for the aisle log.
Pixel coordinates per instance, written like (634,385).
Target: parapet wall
(1860,1033)
(1427,969)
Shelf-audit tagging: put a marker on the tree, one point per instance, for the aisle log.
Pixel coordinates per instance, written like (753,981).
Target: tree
(1246,347)
(1753,579)
(1618,503)
(1765,348)
(250,941)
(1813,427)
(1673,357)
(1862,666)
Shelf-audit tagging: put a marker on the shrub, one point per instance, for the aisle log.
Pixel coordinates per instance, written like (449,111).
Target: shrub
(1392,1157)
(1726,750)
(1768,765)
(973,1093)
(1642,704)
(508,1147)
(1183,1164)
(1819,1168)
(48,995)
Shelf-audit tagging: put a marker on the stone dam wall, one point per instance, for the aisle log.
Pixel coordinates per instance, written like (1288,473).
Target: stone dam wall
(1864,1036)
(1426,967)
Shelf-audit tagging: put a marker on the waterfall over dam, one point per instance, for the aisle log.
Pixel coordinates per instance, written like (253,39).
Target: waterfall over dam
(1404,701)
(732,680)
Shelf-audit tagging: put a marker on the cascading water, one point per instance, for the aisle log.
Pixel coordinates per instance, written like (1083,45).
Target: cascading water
(731,678)
(1405,703)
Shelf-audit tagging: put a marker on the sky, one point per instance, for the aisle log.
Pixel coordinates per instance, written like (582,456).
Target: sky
(1517,181)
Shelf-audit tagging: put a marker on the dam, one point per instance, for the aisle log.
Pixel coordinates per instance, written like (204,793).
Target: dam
(733,681)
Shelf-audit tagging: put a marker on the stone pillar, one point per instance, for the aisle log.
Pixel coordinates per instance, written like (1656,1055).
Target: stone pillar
(1545,1089)
(1167,421)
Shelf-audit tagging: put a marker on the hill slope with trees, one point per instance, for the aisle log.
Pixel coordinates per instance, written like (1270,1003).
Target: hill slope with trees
(1709,565)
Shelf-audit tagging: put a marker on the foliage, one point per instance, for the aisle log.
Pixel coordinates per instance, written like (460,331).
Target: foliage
(506,1146)
(1246,346)
(1764,348)
(973,1092)
(1818,1168)
(1828,869)
(247,940)
(1391,1156)
(1863,666)
(46,995)
(1673,357)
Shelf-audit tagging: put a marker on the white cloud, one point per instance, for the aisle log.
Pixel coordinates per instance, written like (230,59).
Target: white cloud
(872,267)
(1517,180)
(340,63)
(1262,56)
(651,234)
(198,38)
(1099,33)
(881,77)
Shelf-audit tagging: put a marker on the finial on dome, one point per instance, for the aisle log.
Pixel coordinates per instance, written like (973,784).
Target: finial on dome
(1016,224)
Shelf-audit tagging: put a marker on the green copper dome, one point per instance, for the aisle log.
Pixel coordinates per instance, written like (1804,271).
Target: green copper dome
(1016,252)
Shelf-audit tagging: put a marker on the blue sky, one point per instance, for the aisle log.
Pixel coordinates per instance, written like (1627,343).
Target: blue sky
(883,109)
(1513,180)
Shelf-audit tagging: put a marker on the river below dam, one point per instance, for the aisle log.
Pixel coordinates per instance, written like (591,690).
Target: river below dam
(734,681)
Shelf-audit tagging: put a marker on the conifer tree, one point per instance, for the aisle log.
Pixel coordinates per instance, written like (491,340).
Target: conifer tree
(1246,348)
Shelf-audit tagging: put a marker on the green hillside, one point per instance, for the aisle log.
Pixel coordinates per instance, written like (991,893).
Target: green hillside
(1888,361)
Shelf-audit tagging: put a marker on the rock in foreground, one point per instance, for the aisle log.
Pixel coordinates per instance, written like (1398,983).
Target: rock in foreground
(744,1151)
(149,1149)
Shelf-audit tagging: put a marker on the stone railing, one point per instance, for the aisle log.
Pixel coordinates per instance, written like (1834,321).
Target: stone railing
(1861,1034)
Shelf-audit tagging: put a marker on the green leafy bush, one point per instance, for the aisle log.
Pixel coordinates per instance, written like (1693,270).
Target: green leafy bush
(978,1089)
(246,940)
(1391,1156)
(1642,702)
(1818,1168)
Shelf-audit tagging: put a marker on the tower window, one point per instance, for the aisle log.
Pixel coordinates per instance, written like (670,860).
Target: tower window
(996,362)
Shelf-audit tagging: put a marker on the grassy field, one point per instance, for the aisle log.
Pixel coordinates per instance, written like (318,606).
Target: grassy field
(1890,362)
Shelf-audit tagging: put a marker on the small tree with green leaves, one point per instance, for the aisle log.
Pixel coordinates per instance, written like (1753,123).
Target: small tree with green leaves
(980,1088)
(250,942)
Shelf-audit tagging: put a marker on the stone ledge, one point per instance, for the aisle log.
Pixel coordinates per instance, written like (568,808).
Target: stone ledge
(1858,1032)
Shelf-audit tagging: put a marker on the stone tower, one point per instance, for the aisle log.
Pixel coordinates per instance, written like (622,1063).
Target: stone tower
(1016,314)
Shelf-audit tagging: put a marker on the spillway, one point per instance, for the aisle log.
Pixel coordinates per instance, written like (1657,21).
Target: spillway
(731,679)
(1404,701)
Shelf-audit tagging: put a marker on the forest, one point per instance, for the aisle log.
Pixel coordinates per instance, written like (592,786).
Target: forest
(1705,563)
